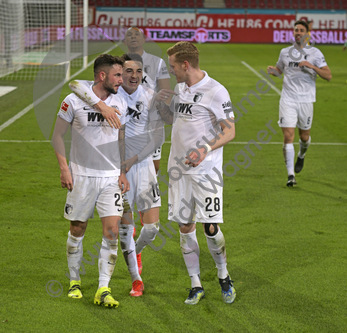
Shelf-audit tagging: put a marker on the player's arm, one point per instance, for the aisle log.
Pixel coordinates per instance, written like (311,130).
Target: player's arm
(60,128)
(274,70)
(221,107)
(324,72)
(82,89)
(278,69)
(227,134)
(157,139)
(123,182)
(165,84)
(162,107)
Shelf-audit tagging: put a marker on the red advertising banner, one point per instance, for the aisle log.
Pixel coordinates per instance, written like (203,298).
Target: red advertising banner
(38,36)
(251,21)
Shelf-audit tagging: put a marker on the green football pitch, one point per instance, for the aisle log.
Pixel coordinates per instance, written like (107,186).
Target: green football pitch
(286,247)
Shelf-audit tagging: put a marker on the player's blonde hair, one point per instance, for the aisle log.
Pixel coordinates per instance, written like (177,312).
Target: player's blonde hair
(185,51)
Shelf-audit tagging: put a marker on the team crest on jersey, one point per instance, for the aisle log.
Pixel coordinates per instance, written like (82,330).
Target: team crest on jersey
(68,209)
(197,97)
(139,106)
(147,69)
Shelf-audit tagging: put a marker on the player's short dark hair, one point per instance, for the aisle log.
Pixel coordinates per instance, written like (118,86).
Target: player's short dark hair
(105,61)
(132,56)
(304,23)
(185,51)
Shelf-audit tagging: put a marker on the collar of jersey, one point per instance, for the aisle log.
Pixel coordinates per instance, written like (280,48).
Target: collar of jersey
(197,85)
(91,88)
(133,96)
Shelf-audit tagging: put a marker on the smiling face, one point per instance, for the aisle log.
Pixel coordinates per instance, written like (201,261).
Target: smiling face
(177,69)
(132,75)
(134,40)
(113,79)
(300,34)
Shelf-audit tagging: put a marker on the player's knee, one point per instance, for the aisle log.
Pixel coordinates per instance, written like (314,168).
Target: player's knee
(186,228)
(77,230)
(211,229)
(304,137)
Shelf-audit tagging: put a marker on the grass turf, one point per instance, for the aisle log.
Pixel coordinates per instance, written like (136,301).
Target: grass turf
(286,247)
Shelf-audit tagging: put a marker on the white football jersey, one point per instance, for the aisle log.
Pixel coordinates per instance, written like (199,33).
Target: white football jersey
(299,83)
(141,120)
(154,69)
(197,111)
(94,144)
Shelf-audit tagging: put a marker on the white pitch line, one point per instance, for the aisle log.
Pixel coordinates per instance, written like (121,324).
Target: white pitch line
(262,77)
(230,143)
(25,141)
(29,107)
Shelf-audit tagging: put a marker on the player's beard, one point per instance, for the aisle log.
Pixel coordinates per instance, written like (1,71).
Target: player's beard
(109,88)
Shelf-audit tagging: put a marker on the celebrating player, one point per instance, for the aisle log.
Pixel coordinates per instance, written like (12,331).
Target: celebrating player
(94,176)
(143,134)
(300,67)
(200,106)
(155,75)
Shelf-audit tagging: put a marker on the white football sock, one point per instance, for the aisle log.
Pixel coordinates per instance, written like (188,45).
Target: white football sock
(147,235)
(288,154)
(74,253)
(127,244)
(107,260)
(216,245)
(190,251)
(303,147)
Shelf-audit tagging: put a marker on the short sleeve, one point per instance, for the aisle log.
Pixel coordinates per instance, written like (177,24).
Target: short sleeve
(221,104)
(82,89)
(280,62)
(320,60)
(66,110)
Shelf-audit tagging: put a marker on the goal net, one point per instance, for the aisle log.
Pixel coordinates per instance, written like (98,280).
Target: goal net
(28,31)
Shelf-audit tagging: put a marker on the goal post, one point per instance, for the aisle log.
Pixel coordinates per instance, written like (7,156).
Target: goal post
(30,28)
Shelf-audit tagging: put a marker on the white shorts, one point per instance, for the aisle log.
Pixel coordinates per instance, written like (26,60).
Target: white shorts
(295,115)
(144,188)
(157,154)
(88,192)
(191,199)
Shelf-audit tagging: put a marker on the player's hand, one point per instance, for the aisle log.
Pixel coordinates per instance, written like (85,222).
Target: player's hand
(196,157)
(130,162)
(110,114)
(123,183)
(164,94)
(271,70)
(66,179)
(305,64)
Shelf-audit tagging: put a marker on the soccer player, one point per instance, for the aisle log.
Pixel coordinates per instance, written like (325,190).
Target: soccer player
(155,75)
(300,68)
(93,176)
(344,46)
(200,109)
(143,134)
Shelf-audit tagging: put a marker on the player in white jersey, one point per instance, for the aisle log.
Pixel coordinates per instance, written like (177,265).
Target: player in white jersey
(143,134)
(202,123)
(94,177)
(155,73)
(300,65)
